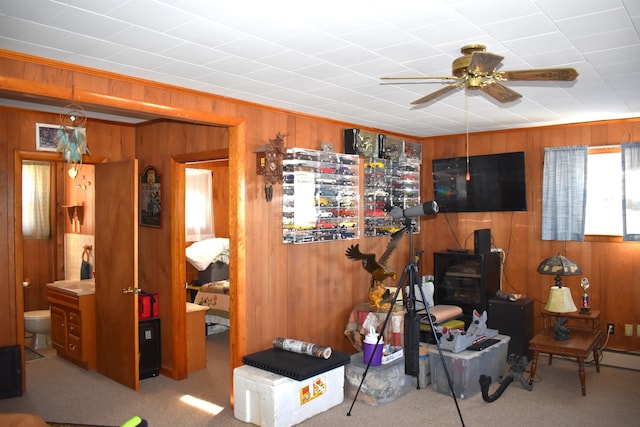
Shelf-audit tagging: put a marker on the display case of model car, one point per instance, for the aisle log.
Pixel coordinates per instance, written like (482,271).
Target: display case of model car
(320,196)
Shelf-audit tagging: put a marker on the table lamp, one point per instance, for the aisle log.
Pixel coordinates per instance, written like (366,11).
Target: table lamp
(560,300)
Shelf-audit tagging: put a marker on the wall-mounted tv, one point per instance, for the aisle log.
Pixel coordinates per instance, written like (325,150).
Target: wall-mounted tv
(496,184)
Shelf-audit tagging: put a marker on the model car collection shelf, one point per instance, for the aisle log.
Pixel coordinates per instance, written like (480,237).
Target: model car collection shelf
(320,196)
(388,183)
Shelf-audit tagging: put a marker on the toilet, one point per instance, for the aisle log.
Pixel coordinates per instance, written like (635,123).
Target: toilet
(38,323)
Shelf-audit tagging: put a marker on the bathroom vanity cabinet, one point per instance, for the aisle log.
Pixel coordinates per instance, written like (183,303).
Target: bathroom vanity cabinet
(73,327)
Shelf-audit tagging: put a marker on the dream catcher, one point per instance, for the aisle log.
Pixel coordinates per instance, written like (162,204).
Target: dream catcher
(71,138)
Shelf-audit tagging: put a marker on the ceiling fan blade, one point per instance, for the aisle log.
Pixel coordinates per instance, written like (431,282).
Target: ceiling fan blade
(484,63)
(500,92)
(437,93)
(420,78)
(560,74)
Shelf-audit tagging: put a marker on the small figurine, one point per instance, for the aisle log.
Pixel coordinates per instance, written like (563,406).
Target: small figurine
(584,284)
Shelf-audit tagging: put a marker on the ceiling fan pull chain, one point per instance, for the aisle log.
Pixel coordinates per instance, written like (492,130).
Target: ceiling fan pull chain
(466,119)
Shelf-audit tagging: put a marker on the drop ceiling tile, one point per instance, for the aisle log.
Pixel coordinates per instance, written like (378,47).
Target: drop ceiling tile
(612,40)
(32,10)
(520,27)
(205,32)
(144,39)
(408,51)
(86,23)
(250,47)
(150,14)
(289,60)
(539,44)
(499,11)
(137,58)
(604,22)
(192,53)
(557,10)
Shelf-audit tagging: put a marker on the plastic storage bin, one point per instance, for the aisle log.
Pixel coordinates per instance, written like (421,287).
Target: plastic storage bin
(466,367)
(267,399)
(383,384)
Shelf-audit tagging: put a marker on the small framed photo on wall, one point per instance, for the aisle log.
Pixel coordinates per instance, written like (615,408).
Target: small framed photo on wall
(46,137)
(150,198)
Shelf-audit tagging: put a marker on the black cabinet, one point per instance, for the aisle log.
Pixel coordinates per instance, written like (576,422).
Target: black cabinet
(515,319)
(468,281)
(149,347)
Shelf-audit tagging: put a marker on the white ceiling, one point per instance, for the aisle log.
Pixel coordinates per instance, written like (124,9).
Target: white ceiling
(326,58)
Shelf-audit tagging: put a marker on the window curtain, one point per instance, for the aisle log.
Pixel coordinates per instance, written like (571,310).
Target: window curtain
(36,194)
(630,191)
(199,205)
(564,193)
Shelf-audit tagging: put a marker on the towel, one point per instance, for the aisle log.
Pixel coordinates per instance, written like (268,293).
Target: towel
(86,270)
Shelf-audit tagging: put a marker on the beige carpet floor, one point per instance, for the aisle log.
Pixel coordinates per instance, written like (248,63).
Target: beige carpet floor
(60,391)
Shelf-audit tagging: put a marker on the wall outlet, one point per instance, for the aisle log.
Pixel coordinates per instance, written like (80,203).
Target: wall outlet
(611,328)
(628,330)
(496,250)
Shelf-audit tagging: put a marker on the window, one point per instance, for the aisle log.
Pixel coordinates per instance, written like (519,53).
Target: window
(603,215)
(198,205)
(36,184)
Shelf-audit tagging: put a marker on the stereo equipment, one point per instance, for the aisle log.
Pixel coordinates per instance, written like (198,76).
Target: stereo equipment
(482,241)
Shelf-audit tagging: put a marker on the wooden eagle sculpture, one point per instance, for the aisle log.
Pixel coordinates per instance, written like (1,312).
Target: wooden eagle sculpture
(380,298)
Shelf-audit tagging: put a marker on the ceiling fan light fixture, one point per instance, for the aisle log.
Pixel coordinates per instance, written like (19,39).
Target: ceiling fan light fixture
(476,69)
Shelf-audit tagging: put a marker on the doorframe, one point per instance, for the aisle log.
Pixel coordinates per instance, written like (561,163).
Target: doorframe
(18,158)
(237,246)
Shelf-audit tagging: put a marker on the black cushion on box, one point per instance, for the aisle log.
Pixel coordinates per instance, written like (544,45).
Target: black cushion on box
(293,365)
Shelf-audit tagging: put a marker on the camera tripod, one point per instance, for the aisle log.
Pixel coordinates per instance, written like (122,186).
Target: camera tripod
(408,282)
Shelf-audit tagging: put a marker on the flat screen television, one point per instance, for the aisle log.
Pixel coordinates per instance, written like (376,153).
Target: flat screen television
(496,184)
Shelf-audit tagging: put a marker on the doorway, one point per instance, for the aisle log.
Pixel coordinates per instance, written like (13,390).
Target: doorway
(207,232)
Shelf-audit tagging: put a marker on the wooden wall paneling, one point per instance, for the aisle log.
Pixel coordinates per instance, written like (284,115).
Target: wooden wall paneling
(259,123)
(7,277)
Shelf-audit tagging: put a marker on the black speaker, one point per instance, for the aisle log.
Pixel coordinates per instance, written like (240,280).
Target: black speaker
(515,319)
(10,372)
(482,241)
(149,347)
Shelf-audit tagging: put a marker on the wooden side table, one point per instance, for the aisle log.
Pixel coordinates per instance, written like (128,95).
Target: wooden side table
(577,320)
(580,344)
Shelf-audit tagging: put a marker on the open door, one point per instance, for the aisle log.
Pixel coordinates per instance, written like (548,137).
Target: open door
(116,248)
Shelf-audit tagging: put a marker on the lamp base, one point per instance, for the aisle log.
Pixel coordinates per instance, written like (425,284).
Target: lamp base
(561,332)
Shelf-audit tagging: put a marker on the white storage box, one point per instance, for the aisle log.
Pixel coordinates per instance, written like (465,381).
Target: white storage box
(466,367)
(267,399)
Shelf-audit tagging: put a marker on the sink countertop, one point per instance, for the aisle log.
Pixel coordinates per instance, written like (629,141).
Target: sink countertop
(74,287)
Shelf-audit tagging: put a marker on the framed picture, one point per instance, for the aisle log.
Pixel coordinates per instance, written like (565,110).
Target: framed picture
(46,137)
(150,198)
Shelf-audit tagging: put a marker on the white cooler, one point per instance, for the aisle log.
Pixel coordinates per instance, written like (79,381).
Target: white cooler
(267,399)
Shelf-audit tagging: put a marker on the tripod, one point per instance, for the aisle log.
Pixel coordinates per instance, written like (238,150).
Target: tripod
(409,280)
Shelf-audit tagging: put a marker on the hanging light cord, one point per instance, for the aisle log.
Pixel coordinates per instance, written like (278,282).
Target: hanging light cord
(466,119)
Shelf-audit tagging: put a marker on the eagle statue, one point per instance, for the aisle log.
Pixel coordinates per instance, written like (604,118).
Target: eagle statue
(380,298)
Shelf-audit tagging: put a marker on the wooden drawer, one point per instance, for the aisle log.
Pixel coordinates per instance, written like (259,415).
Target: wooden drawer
(74,347)
(74,323)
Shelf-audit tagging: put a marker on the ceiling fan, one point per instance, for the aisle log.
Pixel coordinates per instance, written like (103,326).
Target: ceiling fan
(477,70)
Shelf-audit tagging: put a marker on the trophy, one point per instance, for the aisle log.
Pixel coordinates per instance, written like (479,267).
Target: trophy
(584,284)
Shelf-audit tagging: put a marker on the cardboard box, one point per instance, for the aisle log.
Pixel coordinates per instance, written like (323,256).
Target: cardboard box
(466,367)
(267,399)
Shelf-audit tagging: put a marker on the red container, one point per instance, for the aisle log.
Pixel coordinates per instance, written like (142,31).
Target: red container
(147,305)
